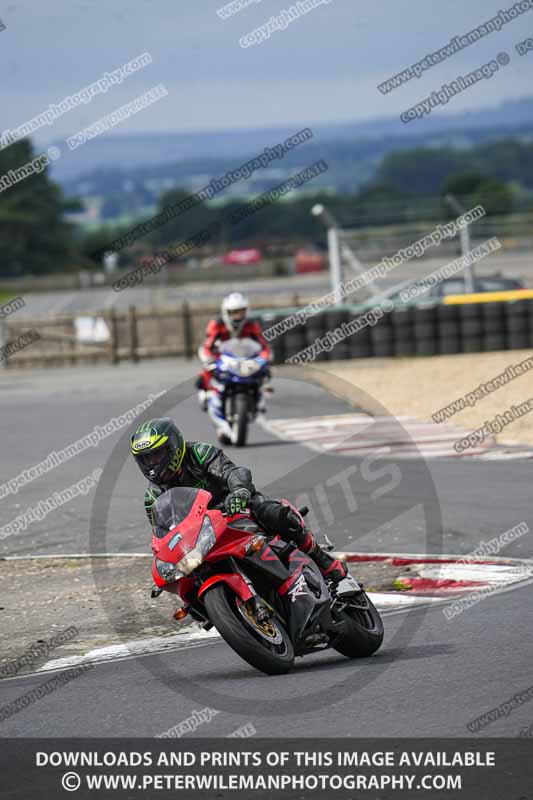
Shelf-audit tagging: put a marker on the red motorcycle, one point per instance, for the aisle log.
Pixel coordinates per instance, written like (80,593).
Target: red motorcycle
(267,599)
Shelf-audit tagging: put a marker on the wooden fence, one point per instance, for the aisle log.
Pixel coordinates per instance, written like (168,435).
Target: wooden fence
(138,334)
(135,334)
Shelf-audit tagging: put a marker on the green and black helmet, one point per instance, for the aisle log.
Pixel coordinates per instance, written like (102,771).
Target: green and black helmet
(158,448)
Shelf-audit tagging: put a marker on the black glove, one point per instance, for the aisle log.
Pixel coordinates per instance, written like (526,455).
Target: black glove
(290,523)
(237,501)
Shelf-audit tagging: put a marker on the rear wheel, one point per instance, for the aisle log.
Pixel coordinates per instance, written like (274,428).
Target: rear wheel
(361,631)
(266,646)
(240,420)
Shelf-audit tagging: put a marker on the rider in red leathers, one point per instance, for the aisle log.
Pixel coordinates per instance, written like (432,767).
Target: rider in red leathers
(233,323)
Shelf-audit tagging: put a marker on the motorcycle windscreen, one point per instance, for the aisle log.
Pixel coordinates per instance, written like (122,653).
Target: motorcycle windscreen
(172,507)
(241,348)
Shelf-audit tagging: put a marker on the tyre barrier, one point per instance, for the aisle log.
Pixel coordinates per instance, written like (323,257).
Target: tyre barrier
(425,332)
(341,350)
(449,333)
(360,343)
(517,319)
(494,326)
(316,328)
(382,338)
(412,331)
(471,325)
(402,320)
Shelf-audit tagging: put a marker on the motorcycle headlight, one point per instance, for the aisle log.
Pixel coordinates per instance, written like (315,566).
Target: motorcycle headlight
(204,543)
(167,571)
(206,540)
(248,367)
(232,364)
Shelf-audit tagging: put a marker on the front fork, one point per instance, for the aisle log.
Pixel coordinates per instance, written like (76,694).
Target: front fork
(255,605)
(215,409)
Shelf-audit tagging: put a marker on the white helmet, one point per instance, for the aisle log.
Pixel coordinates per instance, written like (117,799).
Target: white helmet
(234,312)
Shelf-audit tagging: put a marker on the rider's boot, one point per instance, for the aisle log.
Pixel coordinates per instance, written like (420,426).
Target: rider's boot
(216,412)
(331,568)
(202,394)
(261,404)
(278,518)
(202,399)
(266,386)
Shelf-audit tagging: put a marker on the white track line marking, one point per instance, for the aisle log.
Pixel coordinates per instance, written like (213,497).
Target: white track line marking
(59,556)
(385,602)
(133,648)
(388,604)
(406,437)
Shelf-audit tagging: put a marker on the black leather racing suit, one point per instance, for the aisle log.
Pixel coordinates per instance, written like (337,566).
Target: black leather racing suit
(207,467)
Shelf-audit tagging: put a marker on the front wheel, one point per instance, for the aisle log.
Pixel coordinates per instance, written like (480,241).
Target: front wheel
(266,646)
(240,420)
(361,627)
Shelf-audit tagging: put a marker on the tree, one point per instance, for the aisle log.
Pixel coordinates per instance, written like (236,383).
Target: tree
(422,170)
(97,241)
(379,204)
(34,238)
(472,189)
(185,223)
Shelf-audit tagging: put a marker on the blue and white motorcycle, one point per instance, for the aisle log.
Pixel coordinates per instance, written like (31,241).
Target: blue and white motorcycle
(236,393)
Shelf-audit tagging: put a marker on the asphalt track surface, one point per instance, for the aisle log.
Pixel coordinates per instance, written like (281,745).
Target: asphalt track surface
(430,678)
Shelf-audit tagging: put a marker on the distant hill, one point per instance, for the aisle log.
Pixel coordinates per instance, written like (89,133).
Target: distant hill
(129,171)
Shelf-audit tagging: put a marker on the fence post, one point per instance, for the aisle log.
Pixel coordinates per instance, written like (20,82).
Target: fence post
(3,342)
(187,331)
(134,334)
(113,336)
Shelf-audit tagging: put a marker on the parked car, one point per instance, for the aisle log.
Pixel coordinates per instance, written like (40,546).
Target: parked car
(309,259)
(483,283)
(453,290)
(250,256)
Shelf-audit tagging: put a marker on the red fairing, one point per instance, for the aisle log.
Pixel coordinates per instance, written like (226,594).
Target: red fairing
(235,582)
(155,575)
(268,555)
(297,560)
(284,588)
(217,331)
(231,541)
(181,587)
(189,529)
(184,586)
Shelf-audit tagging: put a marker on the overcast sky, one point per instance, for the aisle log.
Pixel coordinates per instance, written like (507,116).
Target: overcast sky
(324,67)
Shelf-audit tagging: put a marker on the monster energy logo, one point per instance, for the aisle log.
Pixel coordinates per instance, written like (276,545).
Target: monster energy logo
(201,451)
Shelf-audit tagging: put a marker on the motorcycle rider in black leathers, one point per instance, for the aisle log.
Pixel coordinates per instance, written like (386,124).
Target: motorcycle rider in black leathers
(168,461)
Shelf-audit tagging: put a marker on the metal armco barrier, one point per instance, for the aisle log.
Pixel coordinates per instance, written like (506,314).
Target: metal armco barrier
(414,331)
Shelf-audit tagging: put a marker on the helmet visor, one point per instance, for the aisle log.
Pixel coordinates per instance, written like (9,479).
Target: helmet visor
(237,315)
(155,463)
